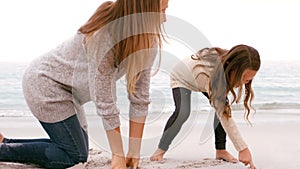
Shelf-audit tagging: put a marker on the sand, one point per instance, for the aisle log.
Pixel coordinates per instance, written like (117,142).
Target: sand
(273,140)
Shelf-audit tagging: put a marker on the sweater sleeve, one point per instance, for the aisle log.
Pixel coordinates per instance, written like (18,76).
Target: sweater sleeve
(139,101)
(230,128)
(102,79)
(104,97)
(229,124)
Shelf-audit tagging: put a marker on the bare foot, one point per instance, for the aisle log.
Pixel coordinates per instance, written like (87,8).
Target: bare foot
(225,155)
(158,155)
(1,138)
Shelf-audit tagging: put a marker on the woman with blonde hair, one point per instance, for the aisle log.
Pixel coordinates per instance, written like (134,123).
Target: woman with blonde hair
(217,73)
(120,38)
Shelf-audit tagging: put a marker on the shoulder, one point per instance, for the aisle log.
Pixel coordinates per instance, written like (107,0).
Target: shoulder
(221,51)
(206,53)
(100,39)
(209,57)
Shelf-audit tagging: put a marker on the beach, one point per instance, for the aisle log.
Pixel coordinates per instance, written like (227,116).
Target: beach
(273,140)
(32,28)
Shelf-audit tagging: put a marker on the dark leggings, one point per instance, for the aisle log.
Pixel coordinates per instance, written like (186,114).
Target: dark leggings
(182,99)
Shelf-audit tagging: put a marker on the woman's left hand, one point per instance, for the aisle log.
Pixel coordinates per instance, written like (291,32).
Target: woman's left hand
(117,162)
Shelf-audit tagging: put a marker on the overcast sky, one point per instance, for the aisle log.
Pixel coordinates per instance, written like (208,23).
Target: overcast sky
(32,27)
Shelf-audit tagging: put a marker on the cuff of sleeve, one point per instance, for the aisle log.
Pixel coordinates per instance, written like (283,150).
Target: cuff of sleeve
(111,123)
(136,110)
(240,146)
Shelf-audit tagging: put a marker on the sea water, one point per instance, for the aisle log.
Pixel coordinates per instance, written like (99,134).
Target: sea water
(276,87)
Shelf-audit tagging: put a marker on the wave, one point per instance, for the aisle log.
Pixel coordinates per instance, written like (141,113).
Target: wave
(269,106)
(90,110)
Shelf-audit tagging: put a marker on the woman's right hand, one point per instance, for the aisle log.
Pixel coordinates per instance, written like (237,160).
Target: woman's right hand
(118,162)
(246,158)
(132,162)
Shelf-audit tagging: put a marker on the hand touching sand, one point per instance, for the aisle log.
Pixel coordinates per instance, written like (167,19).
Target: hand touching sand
(246,158)
(132,162)
(118,162)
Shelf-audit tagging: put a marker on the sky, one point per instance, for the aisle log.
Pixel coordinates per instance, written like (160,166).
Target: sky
(32,27)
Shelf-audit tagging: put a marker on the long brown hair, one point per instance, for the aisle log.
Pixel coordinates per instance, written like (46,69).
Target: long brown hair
(236,60)
(135,25)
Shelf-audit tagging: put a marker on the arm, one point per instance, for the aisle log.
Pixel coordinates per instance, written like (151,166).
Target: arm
(139,102)
(102,78)
(135,136)
(116,146)
(231,129)
(102,85)
(228,124)
(135,139)
(104,97)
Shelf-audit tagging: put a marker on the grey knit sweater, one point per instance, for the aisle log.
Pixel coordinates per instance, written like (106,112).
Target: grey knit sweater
(58,83)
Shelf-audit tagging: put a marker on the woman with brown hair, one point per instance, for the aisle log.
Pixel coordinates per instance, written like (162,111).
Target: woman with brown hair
(217,73)
(120,38)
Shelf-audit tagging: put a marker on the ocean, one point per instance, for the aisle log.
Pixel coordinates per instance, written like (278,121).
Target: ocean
(276,87)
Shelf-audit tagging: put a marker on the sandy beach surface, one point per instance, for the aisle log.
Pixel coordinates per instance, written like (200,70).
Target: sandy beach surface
(273,140)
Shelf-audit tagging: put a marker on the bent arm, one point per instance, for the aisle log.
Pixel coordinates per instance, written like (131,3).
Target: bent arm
(139,103)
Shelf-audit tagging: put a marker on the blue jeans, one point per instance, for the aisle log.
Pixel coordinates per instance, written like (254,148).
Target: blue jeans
(67,146)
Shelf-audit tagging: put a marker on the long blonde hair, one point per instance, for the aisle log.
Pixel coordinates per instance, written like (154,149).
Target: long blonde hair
(237,59)
(138,28)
